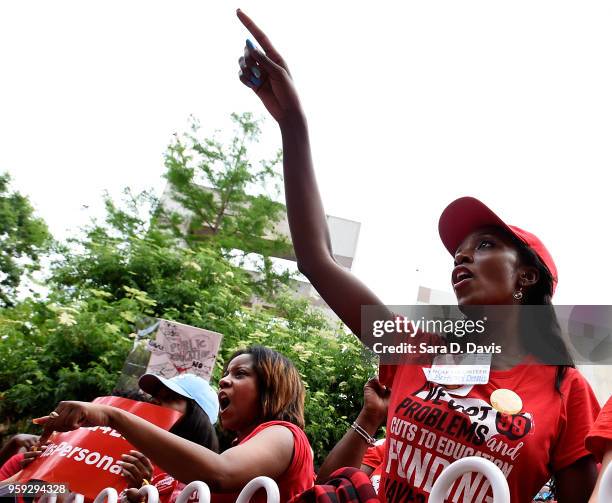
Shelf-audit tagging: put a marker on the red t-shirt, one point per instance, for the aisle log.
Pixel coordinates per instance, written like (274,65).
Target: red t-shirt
(374,457)
(12,466)
(601,433)
(429,427)
(297,478)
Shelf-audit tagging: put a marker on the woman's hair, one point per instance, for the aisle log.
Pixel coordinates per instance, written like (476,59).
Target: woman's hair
(548,345)
(195,426)
(281,391)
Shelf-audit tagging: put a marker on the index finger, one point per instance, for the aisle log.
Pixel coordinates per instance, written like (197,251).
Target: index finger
(260,36)
(44,421)
(262,39)
(41,420)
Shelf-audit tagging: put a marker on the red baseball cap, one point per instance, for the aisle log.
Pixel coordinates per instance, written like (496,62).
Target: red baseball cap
(467,214)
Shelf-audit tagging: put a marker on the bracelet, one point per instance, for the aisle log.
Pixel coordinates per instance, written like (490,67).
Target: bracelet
(145,482)
(370,440)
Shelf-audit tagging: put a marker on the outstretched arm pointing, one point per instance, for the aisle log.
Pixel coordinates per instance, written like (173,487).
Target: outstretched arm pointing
(267,74)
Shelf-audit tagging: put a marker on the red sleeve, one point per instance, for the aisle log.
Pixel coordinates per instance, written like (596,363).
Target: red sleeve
(302,452)
(373,457)
(12,466)
(601,432)
(301,471)
(579,410)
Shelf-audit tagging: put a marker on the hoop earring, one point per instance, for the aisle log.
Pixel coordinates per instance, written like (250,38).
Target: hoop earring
(518,295)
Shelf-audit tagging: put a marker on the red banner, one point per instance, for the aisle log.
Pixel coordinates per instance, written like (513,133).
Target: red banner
(86,459)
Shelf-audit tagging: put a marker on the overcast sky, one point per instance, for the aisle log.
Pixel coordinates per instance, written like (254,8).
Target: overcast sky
(410,106)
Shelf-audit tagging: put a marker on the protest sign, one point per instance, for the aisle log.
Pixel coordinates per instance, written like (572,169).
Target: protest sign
(167,348)
(179,348)
(86,459)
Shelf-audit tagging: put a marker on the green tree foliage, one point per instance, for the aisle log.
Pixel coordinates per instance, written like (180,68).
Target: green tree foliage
(230,215)
(145,260)
(22,238)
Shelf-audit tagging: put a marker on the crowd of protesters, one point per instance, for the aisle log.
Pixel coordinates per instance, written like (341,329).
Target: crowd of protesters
(199,406)
(260,400)
(562,435)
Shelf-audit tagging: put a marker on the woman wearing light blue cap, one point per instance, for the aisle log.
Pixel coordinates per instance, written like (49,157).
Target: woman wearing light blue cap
(197,401)
(187,386)
(262,402)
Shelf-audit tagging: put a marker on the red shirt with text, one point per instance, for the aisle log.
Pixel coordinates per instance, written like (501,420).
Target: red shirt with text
(430,426)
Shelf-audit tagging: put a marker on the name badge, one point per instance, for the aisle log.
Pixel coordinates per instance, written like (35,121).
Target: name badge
(459,369)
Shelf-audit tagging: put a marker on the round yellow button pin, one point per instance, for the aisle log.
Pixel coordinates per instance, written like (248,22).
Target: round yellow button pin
(506,401)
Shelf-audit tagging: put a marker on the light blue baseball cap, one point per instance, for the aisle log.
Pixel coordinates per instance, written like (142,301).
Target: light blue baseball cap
(187,385)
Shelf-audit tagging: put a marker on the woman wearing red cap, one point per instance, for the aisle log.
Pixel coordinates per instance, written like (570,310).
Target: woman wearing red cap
(530,421)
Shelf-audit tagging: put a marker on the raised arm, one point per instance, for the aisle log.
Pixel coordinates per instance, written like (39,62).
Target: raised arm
(349,451)
(268,75)
(268,453)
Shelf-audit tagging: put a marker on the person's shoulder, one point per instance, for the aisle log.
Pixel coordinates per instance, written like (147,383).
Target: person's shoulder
(599,439)
(275,437)
(283,424)
(607,408)
(277,428)
(284,433)
(280,427)
(573,379)
(577,395)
